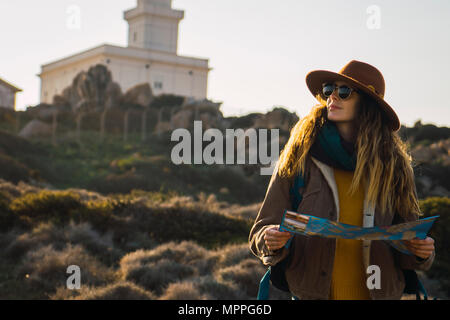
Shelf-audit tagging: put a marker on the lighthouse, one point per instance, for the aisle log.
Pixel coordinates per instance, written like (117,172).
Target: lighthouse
(151,56)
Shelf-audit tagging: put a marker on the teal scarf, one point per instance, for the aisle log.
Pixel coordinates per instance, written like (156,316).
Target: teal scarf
(331,144)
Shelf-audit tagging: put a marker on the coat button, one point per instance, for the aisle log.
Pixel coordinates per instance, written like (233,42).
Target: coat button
(323,273)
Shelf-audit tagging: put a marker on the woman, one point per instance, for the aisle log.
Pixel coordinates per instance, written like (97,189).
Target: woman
(357,171)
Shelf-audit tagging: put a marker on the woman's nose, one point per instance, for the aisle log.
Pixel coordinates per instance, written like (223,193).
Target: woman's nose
(334,95)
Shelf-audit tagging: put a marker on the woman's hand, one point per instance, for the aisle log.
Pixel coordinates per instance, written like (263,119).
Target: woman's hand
(275,239)
(421,248)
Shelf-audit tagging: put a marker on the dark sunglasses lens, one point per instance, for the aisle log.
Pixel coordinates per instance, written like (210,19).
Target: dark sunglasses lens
(328,90)
(344,92)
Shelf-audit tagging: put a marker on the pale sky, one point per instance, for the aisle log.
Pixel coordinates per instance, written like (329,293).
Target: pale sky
(260,50)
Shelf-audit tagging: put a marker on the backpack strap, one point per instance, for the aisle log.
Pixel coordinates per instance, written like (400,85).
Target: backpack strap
(296,197)
(294,191)
(264,284)
(421,289)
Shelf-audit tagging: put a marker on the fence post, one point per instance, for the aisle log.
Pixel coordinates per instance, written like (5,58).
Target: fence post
(125,126)
(144,125)
(172,112)
(79,119)
(102,125)
(158,125)
(54,126)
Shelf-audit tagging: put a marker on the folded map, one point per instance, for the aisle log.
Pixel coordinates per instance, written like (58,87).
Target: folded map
(308,225)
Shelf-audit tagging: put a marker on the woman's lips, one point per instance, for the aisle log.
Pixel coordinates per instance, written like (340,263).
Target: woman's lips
(334,107)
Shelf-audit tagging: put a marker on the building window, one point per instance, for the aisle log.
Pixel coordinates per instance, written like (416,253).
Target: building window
(158,85)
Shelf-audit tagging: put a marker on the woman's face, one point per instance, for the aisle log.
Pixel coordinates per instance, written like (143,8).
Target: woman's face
(342,110)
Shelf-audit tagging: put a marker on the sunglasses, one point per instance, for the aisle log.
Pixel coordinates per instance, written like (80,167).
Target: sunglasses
(343,91)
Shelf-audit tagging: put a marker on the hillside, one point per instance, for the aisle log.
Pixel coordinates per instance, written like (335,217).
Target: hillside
(112,166)
(140,245)
(97,188)
(144,245)
(112,142)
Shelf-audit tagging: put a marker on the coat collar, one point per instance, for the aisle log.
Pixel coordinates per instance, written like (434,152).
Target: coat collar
(328,173)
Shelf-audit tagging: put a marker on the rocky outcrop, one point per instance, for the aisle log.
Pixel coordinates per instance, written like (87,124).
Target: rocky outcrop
(436,152)
(202,110)
(139,95)
(277,118)
(91,90)
(36,128)
(183,119)
(94,90)
(113,95)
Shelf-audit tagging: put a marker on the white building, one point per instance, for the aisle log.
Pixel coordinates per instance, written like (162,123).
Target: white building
(151,56)
(8,94)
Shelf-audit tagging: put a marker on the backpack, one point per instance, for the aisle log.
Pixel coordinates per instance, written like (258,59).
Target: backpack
(276,274)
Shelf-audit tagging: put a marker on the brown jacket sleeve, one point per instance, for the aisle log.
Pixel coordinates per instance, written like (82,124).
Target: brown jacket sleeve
(276,201)
(412,262)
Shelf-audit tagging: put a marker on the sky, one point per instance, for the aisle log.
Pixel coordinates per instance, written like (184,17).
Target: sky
(259,50)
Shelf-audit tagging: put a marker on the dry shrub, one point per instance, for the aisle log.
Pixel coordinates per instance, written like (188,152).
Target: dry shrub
(76,234)
(11,189)
(187,253)
(45,269)
(210,229)
(440,232)
(122,290)
(218,289)
(135,241)
(87,195)
(203,288)
(202,202)
(233,254)
(244,212)
(5,240)
(168,263)
(45,205)
(246,275)
(101,246)
(183,291)
(41,235)
(152,275)
(61,207)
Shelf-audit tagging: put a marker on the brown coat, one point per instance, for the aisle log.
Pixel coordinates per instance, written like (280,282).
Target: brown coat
(309,271)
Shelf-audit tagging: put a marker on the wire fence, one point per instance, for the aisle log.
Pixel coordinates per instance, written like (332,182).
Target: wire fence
(54,125)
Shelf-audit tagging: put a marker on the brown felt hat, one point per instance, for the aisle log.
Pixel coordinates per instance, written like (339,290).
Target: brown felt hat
(361,76)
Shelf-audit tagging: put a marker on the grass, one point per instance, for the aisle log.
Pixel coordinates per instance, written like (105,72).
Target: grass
(112,166)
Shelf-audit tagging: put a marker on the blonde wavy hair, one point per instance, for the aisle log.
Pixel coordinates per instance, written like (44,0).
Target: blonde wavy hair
(383,159)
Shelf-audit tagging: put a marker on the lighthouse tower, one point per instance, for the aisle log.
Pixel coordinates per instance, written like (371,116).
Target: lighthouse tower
(153,24)
(149,57)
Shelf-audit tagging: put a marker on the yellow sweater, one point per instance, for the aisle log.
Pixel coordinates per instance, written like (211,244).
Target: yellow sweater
(349,277)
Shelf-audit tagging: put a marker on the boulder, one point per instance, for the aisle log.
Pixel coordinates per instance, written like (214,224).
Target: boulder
(436,152)
(140,94)
(183,119)
(278,118)
(113,95)
(163,126)
(92,90)
(36,128)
